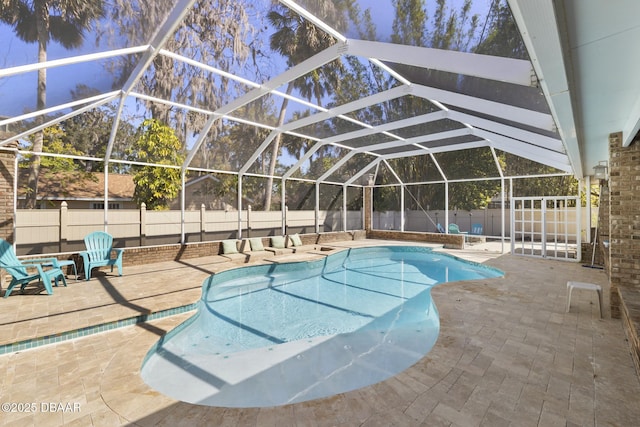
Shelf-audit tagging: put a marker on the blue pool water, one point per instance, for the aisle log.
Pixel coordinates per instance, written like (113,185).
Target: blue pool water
(282,333)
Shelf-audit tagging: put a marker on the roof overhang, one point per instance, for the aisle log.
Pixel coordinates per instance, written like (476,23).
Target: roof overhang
(586,56)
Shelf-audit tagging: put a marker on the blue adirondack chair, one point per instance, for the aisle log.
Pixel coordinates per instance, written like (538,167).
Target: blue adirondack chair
(98,254)
(476,229)
(47,269)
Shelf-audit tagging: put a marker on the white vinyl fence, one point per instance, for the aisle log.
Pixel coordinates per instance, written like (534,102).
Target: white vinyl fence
(63,230)
(489,219)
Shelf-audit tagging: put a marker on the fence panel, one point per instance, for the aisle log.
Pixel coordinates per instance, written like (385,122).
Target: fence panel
(81,222)
(192,222)
(269,221)
(389,220)
(163,222)
(332,221)
(124,223)
(301,221)
(64,229)
(38,226)
(355,221)
(222,221)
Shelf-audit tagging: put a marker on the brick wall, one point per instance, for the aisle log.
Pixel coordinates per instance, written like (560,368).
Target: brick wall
(7,168)
(152,254)
(624,235)
(452,241)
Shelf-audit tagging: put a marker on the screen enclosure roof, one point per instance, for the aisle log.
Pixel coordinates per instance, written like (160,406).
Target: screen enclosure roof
(241,84)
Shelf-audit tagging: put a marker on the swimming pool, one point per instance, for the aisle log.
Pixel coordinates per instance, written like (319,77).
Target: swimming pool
(274,334)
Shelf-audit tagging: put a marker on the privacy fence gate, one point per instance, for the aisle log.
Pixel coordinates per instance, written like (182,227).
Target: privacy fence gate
(546,227)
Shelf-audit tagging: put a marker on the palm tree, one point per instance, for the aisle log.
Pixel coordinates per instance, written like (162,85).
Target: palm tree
(297,39)
(42,21)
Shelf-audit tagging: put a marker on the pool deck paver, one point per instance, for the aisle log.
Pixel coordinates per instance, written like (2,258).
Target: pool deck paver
(507,355)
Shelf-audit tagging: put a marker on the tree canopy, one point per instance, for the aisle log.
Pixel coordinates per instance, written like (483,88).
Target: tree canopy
(156,186)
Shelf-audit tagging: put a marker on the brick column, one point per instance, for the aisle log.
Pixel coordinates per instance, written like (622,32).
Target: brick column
(368,208)
(624,236)
(7,176)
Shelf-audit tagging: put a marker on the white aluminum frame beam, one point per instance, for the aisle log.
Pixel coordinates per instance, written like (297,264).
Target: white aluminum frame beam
(331,53)
(364,170)
(531,152)
(458,147)
(186,107)
(318,60)
(415,141)
(508,112)
(71,60)
(542,141)
(166,30)
(437,115)
(339,111)
(259,150)
(312,18)
(418,140)
(422,150)
(515,71)
(60,119)
(497,162)
(201,137)
(111,95)
(306,156)
(337,166)
(209,68)
(387,127)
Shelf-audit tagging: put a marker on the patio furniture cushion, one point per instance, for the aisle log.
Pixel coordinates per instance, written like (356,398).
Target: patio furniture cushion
(277,242)
(256,244)
(229,247)
(295,239)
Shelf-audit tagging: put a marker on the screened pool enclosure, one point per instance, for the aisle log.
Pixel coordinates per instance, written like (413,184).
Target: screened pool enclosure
(286,112)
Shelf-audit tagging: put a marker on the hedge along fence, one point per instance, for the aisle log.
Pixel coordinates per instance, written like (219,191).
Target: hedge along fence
(63,230)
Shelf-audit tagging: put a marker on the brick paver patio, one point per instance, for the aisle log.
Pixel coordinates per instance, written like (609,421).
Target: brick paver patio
(508,355)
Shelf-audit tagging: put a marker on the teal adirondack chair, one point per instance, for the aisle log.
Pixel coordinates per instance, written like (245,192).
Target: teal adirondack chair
(454,229)
(98,254)
(48,269)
